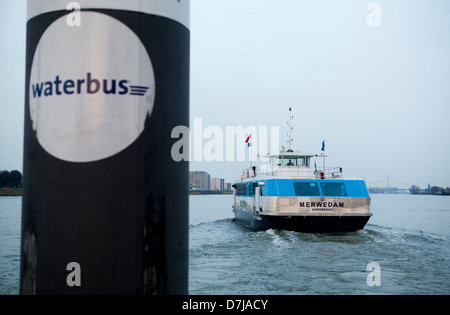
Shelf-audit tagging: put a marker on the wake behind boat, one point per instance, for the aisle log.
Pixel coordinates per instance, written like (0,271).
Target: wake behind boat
(289,194)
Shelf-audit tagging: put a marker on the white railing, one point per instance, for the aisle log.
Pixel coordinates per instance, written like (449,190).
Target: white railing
(329,173)
(293,172)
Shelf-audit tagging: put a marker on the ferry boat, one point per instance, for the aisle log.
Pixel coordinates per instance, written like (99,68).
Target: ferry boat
(289,193)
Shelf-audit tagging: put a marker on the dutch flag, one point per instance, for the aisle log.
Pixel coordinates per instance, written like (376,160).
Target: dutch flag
(249,141)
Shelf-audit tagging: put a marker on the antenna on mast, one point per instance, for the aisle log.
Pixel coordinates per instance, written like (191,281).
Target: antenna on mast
(290,130)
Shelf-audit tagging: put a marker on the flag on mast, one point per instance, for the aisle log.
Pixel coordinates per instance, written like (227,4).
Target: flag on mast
(249,141)
(323,145)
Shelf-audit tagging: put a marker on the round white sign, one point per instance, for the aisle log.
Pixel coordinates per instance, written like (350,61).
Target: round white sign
(91,88)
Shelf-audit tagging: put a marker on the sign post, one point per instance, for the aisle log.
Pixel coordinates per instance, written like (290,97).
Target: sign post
(105,207)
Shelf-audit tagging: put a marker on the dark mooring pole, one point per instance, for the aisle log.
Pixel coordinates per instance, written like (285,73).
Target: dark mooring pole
(105,207)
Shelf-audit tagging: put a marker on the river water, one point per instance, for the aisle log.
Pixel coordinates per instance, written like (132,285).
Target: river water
(408,238)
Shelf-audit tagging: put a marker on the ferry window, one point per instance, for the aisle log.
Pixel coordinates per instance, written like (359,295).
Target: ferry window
(290,162)
(241,190)
(299,161)
(333,189)
(306,189)
(293,162)
(251,189)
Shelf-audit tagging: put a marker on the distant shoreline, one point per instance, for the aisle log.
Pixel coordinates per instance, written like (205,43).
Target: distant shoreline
(209,192)
(16,192)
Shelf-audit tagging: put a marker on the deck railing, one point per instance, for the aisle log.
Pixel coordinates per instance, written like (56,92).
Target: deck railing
(294,172)
(329,173)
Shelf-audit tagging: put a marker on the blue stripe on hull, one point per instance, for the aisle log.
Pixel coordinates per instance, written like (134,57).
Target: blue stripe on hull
(306,224)
(285,187)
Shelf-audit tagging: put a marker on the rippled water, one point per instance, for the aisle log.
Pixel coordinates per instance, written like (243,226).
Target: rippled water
(10,222)
(408,236)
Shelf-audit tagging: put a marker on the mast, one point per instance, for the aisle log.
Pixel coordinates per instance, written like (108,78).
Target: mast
(290,130)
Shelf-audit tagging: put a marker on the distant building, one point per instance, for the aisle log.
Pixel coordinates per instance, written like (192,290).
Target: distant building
(199,180)
(217,184)
(228,188)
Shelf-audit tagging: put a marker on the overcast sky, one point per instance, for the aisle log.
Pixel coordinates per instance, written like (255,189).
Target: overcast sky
(379,96)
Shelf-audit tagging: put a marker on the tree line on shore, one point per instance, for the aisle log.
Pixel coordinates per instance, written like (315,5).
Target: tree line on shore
(10,179)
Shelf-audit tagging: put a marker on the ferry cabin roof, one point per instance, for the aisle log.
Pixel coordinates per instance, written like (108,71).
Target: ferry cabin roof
(304,188)
(292,165)
(291,159)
